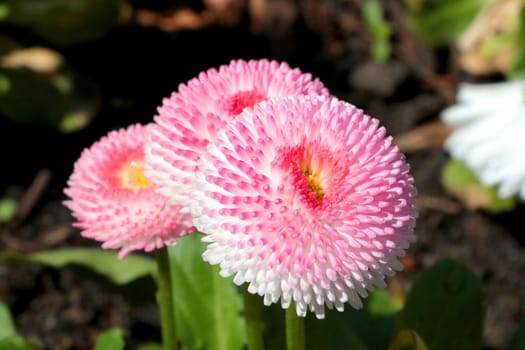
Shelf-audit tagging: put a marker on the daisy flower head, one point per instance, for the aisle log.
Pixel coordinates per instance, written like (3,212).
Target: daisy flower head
(114,203)
(305,198)
(189,119)
(488,122)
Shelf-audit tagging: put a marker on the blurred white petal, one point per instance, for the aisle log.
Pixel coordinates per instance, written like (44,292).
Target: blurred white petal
(489,134)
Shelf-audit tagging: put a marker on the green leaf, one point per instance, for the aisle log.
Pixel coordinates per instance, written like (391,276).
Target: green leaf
(380,29)
(441,22)
(493,45)
(4,11)
(459,180)
(457,175)
(380,304)
(517,70)
(319,333)
(151,346)
(407,339)
(8,209)
(370,328)
(274,326)
(375,323)
(445,307)
(55,98)
(103,262)
(5,84)
(381,51)
(518,339)
(63,21)
(9,339)
(208,306)
(7,327)
(112,339)
(16,342)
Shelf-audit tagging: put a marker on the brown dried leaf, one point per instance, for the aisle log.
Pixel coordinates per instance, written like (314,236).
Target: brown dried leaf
(38,59)
(430,135)
(495,19)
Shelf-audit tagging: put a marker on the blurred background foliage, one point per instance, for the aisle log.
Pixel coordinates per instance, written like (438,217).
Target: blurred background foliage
(488,34)
(62,22)
(63,63)
(71,70)
(36,83)
(42,43)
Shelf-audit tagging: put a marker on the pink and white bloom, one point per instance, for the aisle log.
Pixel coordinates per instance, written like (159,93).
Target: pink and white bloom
(114,203)
(306,199)
(192,116)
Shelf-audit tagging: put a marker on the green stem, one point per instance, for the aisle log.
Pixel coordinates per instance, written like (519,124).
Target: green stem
(165,300)
(294,329)
(254,323)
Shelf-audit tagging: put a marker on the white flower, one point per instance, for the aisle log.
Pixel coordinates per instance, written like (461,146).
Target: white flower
(489,133)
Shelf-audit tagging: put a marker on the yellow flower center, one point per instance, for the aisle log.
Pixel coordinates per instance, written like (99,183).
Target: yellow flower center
(132,178)
(314,184)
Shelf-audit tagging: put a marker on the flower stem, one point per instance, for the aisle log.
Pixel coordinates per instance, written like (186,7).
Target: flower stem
(252,315)
(165,300)
(294,329)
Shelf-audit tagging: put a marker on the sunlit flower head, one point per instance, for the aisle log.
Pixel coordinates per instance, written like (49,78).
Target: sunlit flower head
(306,199)
(114,203)
(192,116)
(489,123)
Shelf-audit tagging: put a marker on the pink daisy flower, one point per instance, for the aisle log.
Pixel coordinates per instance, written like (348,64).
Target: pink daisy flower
(191,117)
(114,203)
(305,198)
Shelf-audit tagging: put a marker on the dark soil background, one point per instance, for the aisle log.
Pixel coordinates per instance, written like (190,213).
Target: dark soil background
(148,55)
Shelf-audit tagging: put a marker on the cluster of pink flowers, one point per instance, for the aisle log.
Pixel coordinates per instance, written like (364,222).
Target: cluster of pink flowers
(300,195)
